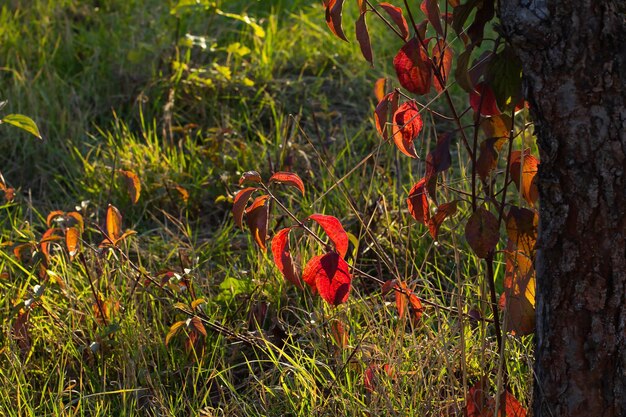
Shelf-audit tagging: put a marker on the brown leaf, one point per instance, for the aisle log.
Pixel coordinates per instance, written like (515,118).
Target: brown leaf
(388,105)
(431,9)
(522,227)
(488,157)
(363,37)
(133,186)
(113,224)
(482,233)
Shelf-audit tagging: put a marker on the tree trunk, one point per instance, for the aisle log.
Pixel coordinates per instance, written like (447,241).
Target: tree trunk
(574,61)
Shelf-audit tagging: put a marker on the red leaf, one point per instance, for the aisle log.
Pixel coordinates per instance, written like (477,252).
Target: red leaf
(481,232)
(239,205)
(512,407)
(431,9)
(333,17)
(282,257)
(442,58)
(288,178)
(379,89)
(333,228)
(482,97)
(528,170)
(389,104)
(256,217)
(251,176)
(443,211)
(413,67)
(418,202)
(364,39)
(398,18)
(331,276)
(404,296)
(407,124)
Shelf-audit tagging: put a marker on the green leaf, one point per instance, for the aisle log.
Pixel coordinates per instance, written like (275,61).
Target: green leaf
(23,122)
(505,77)
(258,30)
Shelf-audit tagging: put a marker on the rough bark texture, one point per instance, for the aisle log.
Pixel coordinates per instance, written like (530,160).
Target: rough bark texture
(574,61)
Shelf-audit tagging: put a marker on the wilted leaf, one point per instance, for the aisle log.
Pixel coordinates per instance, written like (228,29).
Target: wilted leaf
(444,211)
(331,276)
(379,89)
(442,58)
(363,37)
(196,324)
(482,98)
(257,216)
(282,257)
(22,122)
(418,202)
(439,158)
(50,235)
(407,125)
(333,17)
(481,232)
(431,9)
(406,297)
(239,205)
(523,169)
(250,176)
(288,178)
(413,67)
(133,186)
(20,330)
(395,13)
(335,231)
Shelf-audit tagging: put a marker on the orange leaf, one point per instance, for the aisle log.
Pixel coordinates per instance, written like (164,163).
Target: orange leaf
(481,232)
(333,17)
(133,186)
(338,333)
(413,67)
(288,178)
(173,330)
(53,215)
(282,257)
(333,228)
(113,224)
(407,124)
(363,37)
(239,205)
(72,235)
(257,216)
(46,238)
(331,276)
(526,166)
(379,89)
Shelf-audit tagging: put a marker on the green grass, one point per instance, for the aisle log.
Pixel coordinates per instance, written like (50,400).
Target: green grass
(120,86)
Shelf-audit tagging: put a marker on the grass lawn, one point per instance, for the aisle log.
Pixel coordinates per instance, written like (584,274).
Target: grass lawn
(187,316)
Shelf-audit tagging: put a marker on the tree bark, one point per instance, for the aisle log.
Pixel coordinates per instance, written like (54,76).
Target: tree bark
(574,64)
